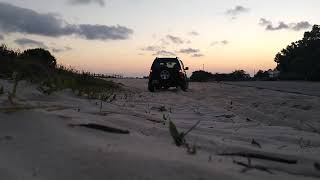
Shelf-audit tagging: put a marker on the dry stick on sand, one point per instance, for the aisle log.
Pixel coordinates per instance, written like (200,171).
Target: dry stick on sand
(254,142)
(101,128)
(21,108)
(313,128)
(261,156)
(249,166)
(194,126)
(155,121)
(317,166)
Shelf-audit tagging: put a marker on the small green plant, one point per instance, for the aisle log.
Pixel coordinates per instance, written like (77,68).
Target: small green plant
(148,110)
(48,87)
(15,77)
(179,137)
(103,98)
(191,150)
(162,109)
(106,97)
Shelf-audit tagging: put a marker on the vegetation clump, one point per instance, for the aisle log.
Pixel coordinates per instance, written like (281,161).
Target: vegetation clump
(203,76)
(40,67)
(301,59)
(179,137)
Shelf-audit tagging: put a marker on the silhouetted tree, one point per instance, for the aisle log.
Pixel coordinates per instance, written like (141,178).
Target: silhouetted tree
(31,63)
(301,59)
(201,76)
(39,56)
(8,59)
(262,75)
(240,75)
(37,62)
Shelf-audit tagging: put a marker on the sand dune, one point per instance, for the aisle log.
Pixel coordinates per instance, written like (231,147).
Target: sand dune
(38,140)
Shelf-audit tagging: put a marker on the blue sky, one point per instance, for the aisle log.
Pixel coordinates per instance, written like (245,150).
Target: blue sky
(223,35)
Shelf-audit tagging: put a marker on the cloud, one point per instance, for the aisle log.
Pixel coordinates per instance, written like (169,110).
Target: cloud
(14,19)
(164,53)
(214,43)
(1,37)
(175,39)
(223,43)
(301,26)
(234,12)
(152,48)
(193,33)
(189,51)
(164,42)
(24,42)
(103,32)
(58,50)
(82,2)
(264,22)
(282,25)
(193,52)
(197,55)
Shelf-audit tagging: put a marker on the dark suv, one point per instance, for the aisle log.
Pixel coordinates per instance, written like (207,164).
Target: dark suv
(166,73)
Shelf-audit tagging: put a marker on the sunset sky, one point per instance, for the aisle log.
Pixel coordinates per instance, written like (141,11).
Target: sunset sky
(124,36)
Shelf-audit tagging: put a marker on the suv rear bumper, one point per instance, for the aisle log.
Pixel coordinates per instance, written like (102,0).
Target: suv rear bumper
(166,83)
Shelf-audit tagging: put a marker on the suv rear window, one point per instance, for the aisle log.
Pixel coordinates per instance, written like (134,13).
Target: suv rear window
(169,63)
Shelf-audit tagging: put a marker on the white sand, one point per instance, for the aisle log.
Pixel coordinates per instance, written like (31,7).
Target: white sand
(39,144)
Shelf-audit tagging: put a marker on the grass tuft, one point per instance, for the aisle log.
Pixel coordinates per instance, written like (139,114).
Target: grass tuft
(179,137)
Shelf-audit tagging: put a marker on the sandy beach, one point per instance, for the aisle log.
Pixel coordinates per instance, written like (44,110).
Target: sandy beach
(40,137)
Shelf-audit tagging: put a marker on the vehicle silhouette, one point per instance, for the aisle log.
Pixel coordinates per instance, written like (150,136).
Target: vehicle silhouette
(166,73)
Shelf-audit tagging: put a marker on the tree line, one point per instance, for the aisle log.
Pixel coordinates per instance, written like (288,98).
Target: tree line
(301,59)
(203,76)
(298,61)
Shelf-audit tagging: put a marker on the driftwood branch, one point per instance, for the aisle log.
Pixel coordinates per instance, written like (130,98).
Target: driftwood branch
(261,156)
(101,128)
(249,167)
(194,126)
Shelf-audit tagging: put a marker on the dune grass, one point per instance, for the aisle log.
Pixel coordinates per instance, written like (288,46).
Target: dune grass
(39,67)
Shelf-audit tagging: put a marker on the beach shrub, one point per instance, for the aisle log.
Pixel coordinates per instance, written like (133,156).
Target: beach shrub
(39,66)
(261,75)
(201,76)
